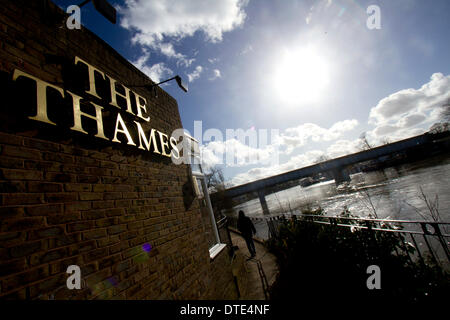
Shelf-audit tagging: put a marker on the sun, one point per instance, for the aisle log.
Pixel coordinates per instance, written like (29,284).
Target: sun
(301,76)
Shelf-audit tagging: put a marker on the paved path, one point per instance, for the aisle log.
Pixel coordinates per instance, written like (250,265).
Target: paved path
(259,273)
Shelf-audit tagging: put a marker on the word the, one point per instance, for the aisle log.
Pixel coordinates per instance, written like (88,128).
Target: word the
(374,281)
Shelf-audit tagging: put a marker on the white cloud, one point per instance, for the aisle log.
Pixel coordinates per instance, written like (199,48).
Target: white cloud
(246,153)
(411,120)
(298,136)
(411,101)
(213,60)
(195,74)
(216,74)
(343,147)
(246,50)
(155,72)
(235,153)
(295,162)
(155,21)
(409,112)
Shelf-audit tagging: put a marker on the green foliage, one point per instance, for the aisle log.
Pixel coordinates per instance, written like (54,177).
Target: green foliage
(322,262)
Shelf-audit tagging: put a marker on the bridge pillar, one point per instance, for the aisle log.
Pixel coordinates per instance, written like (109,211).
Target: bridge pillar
(262,200)
(340,175)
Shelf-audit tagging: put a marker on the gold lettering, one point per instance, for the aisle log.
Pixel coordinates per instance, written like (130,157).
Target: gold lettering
(41,96)
(173,144)
(164,144)
(77,113)
(114,95)
(91,69)
(148,143)
(124,130)
(141,107)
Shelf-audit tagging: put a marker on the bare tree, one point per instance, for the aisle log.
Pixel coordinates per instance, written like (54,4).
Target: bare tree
(215,180)
(444,124)
(321,158)
(365,145)
(216,184)
(445,112)
(385,141)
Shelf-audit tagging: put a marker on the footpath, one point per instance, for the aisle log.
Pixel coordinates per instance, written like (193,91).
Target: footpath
(256,275)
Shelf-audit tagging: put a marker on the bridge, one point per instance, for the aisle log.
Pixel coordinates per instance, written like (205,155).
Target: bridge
(419,146)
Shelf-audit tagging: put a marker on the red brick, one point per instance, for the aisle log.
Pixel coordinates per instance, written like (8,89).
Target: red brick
(88,179)
(77,206)
(44,187)
(115,212)
(106,222)
(13,174)
(11,163)
(117,229)
(93,214)
(48,256)
(82,247)
(41,145)
(21,152)
(80,226)
(108,241)
(95,254)
(45,209)
(103,188)
(91,196)
(25,249)
(22,198)
(24,278)
(13,266)
(45,233)
(12,186)
(60,177)
(11,212)
(94,234)
(63,218)
(77,187)
(22,224)
(112,195)
(103,204)
(61,197)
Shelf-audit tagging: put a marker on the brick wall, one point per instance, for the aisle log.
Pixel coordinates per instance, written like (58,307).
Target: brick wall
(71,198)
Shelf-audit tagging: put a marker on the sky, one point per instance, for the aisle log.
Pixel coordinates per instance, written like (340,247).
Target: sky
(277,85)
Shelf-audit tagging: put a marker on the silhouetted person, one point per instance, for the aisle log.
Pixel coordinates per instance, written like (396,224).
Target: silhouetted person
(246,227)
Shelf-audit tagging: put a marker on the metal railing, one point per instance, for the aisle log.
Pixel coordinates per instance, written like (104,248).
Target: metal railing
(428,238)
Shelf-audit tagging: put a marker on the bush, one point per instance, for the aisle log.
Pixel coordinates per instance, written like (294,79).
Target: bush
(328,263)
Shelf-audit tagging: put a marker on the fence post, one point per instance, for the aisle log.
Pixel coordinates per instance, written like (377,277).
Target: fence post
(262,200)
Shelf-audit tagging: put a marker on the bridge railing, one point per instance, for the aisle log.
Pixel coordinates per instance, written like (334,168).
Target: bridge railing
(422,241)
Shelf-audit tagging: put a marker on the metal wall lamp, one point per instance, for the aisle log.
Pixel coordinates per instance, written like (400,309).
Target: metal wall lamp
(177,78)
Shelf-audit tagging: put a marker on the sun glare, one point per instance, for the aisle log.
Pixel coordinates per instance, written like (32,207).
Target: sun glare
(301,76)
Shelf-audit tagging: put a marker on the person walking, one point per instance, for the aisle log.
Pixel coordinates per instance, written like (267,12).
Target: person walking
(247,229)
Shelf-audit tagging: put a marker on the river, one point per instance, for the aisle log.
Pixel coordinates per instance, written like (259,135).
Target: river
(396,193)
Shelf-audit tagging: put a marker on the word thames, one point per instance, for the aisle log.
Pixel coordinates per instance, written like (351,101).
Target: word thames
(157,141)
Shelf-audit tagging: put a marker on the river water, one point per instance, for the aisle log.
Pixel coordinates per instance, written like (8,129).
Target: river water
(396,193)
